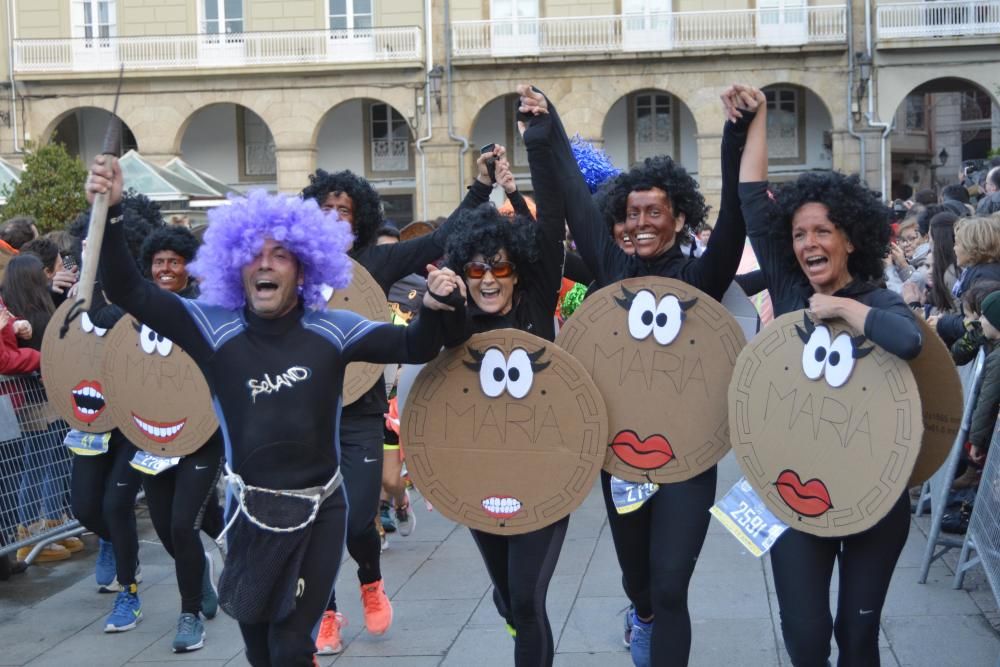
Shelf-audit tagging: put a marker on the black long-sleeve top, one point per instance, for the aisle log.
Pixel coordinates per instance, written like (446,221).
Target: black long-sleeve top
(276,383)
(890,323)
(559,176)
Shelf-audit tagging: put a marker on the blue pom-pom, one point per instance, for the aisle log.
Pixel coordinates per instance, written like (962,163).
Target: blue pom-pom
(595,165)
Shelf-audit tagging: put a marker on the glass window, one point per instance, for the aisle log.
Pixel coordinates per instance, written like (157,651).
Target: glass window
(783,122)
(916,113)
(390,139)
(351,14)
(94,19)
(259,162)
(652,126)
(223,16)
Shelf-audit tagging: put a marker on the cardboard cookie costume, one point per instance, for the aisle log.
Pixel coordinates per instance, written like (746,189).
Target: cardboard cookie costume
(73,371)
(941,396)
(158,397)
(662,353)
(364,297)
(504,433)
(826,426)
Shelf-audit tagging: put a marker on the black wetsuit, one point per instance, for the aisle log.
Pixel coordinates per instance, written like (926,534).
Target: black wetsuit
(276,384)
(658,544)
(802,563)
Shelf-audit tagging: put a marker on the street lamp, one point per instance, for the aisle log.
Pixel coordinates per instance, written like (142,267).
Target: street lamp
(434,82)
(943,157)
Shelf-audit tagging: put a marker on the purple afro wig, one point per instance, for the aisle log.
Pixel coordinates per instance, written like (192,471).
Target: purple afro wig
(236,233)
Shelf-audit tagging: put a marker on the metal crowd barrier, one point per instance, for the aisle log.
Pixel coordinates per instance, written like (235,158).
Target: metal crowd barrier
(983,535)
(35,469)
(935,490)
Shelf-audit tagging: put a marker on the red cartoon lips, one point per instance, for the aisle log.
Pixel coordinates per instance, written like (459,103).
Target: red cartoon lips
(501,507)
(807,498)
(646,454)
(88,401)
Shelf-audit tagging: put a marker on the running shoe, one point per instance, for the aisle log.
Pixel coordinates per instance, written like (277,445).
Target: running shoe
(328,638)
(105,569)
(642,634)
(190,633)
(209,595)
(385,514)
(114,586)
(627,637)
(378,609)
(405,518)
(126,613)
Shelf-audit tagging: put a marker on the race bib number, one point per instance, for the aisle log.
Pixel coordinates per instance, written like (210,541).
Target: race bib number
(87,444)
(630,496)
(149,464)
(744,515)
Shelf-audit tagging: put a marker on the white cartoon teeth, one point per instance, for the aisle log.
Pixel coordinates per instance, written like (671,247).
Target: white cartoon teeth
(162,433)
(502,507)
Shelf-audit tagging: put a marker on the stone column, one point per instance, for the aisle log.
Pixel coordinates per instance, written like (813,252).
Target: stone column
(295,163)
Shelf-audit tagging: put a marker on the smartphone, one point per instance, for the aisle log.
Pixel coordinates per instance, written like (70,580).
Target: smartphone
(69,262)
(491,163)
(525,117)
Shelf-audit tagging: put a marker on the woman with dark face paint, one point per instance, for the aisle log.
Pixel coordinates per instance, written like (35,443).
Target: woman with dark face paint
(657,544)
(512,268)
(821,243)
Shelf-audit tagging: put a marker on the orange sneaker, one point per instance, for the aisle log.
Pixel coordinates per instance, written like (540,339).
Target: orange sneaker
(378,609)
(328,638)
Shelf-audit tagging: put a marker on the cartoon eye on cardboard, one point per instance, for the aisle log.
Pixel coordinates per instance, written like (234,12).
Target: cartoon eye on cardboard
(73,371)
(504,434)
(364,297)
(158,396)
(662,353)
(825,425)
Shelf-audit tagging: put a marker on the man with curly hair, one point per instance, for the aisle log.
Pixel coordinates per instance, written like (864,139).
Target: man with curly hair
(353,199)
(166,254)
(274,360)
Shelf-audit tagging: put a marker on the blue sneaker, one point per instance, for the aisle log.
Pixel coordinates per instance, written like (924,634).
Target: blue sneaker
(627,636)
(209,595)
(190,633)
(127,612)
(642,633)
(105,569)
(385,514)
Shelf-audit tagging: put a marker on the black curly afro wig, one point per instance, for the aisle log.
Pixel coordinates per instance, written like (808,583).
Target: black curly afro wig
(367,205)
(483,230)
(141,217)
(172,237)
(611,198)
(663,173)
(851,206)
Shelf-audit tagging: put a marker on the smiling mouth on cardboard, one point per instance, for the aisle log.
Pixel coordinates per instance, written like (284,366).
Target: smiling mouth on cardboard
(501,507)
(88,401)
(161,432)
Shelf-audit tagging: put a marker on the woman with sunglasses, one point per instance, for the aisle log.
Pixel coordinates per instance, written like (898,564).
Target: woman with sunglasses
(657,545)
(513,270)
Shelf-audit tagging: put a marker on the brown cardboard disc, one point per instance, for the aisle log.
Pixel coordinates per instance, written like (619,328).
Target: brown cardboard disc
(73,371)
(158,397)
(415,230)
(364,297)
(664,381)
(941,397)
(830,455)
(505,433)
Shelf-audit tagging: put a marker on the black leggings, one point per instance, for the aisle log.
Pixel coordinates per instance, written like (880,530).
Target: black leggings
(803,565)
(179,498)
(657,547)
(361,444)
(103,491)
(521,567)
(290,643)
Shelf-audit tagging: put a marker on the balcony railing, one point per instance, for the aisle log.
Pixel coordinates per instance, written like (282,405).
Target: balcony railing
(314,47)
(650,32)
(922,20)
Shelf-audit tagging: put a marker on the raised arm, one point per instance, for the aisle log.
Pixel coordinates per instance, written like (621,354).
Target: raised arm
(163,311)
(715,269)
(555,173)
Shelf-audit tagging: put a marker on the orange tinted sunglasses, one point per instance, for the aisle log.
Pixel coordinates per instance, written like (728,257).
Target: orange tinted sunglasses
(476,270)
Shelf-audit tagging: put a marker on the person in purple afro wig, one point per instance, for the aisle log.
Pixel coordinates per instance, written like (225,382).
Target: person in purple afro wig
(274,360)
(236,234)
